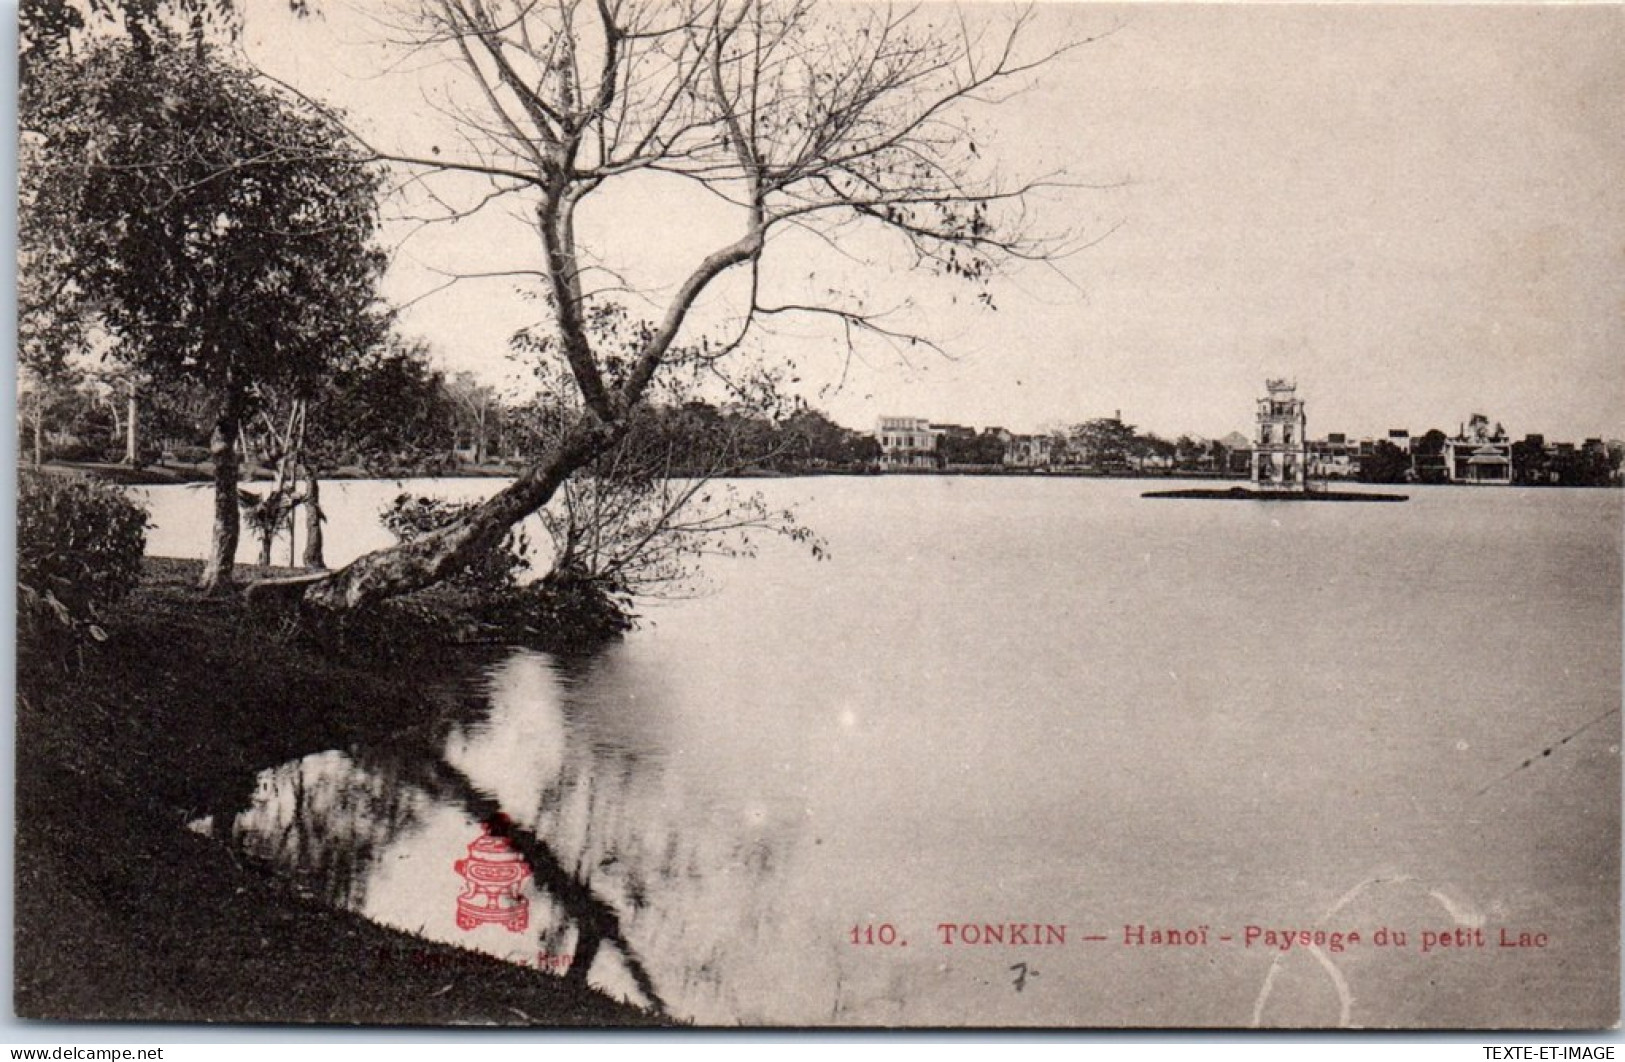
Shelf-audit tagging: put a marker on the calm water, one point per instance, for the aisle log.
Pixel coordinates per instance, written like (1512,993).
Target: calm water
(1035,701)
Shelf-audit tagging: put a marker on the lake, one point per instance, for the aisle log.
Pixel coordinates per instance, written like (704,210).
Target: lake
(1046,708)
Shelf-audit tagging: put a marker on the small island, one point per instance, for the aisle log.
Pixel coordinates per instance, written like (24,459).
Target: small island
(1280,459)
(1248,494)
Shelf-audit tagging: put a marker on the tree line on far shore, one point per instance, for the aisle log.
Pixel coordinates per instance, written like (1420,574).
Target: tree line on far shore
(394,414)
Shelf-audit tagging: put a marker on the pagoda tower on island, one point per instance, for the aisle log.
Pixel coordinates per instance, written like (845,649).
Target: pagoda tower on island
(1281,446)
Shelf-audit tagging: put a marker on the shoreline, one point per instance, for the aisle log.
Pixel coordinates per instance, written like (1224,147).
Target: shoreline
(122,914)
(168,475)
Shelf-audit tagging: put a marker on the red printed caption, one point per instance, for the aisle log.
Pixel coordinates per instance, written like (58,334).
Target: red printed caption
(1425,940)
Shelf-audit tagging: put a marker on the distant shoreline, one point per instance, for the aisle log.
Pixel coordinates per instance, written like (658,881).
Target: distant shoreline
(168,475)
(172,475)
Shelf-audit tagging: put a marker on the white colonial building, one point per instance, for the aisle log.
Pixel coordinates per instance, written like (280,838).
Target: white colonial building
(907,442)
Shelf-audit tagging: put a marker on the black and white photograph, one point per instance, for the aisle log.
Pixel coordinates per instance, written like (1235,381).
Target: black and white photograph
(819,514)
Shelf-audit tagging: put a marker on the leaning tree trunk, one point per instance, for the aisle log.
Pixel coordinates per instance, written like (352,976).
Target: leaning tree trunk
(313,522)
(430,558)
(217,570)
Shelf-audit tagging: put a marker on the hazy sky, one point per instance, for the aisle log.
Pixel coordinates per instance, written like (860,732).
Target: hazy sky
(1417,212)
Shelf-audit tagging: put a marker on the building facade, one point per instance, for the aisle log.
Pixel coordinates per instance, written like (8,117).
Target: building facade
(1334,457)
(1028,451)
(1479,454)
(906,442)
(1238,454)
(1281,445)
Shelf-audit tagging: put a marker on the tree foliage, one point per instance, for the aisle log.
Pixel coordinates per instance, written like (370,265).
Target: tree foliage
(48,28)
(638,521)
(984,448)
(218,233)
(79,549)
(1105,443)
(1386,463)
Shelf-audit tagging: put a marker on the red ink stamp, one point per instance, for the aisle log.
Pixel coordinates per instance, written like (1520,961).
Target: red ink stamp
(492,876)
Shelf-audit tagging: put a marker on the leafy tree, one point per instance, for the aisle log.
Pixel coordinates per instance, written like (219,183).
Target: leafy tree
(1427,457)
(812,439)
(179,417)
(803,118)
(1152,446)
(1189,453)
(45,399)
(391,411)
(1058,443)
(862,450)
(476,405)
(1530,463)
(1478,429)
(1386,463)
(981,449)
(221,234)
(1105,443)
(48,28)
(1583,466)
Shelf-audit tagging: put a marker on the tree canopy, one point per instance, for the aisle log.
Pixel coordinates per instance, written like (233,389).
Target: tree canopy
(219,234)
(218,230)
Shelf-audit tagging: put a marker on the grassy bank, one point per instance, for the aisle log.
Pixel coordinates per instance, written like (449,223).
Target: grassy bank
(122,914)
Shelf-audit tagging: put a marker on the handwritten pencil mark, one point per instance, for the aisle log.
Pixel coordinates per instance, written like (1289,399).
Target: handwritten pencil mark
(1547,751)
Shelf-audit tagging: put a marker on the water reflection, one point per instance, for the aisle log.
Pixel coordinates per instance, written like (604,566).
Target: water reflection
(633,889)
(1207,717)
(329,817)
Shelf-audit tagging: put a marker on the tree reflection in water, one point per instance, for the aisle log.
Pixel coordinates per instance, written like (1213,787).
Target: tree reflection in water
(696,871)
(596,922)
(327,818)
(567,760)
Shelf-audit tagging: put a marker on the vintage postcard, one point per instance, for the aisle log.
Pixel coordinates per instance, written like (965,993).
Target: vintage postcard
(781,513)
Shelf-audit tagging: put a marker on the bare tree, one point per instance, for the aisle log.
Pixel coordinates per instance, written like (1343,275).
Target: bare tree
(799,117)
(475,402)
(279,430)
